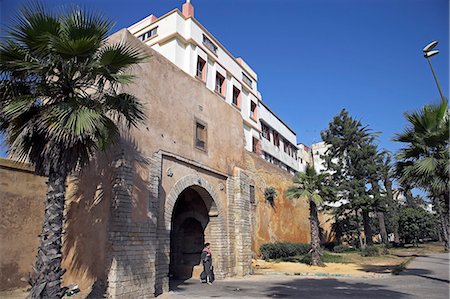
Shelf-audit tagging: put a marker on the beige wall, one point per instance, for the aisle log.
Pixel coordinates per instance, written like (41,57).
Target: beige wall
(22,197)
(88,201)
(288,220)
(21,208)
(173,100)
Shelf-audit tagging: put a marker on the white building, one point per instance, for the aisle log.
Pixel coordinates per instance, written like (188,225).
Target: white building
(304,156)
(318,151)
(184,41)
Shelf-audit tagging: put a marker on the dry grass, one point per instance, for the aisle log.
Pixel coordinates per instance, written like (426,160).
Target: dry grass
(353,263)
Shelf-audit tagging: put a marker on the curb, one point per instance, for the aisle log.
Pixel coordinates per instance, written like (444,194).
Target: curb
(378,275)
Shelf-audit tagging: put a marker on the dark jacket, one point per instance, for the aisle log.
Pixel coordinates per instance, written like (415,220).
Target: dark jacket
(205,257)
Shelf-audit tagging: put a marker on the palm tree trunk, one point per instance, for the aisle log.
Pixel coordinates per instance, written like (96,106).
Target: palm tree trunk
(383,232)
(393,209)
(358,230)
(380,214)
(410,198)
(438,209)
(367,227)
(445,223)
(315,239)
(48,271)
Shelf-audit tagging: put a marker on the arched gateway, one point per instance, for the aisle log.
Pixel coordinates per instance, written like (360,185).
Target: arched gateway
(184,211)
(193,215)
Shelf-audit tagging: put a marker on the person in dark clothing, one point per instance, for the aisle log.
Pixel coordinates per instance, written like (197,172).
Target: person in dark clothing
(206,257)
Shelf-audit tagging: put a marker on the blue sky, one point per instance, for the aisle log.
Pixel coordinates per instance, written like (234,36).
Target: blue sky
(315,57)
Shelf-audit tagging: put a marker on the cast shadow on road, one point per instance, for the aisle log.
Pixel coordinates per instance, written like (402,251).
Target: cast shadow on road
(423,273)
(293,288)
(330,288)
(181,284)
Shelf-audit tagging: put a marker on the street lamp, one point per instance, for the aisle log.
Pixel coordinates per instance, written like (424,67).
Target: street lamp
(428,52)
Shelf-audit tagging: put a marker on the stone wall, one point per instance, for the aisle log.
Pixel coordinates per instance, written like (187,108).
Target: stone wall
(164,161)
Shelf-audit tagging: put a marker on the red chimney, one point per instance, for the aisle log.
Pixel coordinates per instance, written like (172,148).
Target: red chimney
(188,9)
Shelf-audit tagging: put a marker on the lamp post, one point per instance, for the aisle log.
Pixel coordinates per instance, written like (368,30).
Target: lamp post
(428,52)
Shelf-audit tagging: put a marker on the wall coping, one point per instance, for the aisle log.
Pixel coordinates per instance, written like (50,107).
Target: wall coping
(194,163)
(16,165)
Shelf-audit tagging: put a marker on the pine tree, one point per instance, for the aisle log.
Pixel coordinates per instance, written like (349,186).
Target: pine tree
(350,151)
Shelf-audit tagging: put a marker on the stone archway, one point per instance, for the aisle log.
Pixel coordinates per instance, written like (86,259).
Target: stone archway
(214,225)
(189,221)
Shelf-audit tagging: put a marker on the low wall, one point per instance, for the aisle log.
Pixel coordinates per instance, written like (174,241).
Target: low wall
(22,195)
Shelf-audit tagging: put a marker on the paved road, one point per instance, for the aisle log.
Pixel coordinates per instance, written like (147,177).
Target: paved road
(426,277)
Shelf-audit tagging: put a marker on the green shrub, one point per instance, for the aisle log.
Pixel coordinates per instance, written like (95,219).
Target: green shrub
(370,251)
(342,248)
(329,245)
(281,250)
(306,259)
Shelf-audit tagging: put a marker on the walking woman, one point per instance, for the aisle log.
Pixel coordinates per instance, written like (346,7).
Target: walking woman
(206,256)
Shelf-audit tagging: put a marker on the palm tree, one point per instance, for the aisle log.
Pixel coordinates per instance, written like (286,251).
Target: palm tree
(387,175)
(313,187)
(60,104)
(424,160)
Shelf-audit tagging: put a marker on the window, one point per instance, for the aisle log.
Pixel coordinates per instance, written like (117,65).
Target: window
(247,80)
(209,44)
(255,146)
(201,69)
(285,145)
(265,131)
(253,113)
(200,135)
(148,34)
(236,96)
(276,139)
(220,86)
(252,194)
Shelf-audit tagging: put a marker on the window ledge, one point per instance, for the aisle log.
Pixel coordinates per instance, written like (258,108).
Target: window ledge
(201,149)
(221,95)
(210,49)
(150,38)
(255,120)
(200,79)
(236,106)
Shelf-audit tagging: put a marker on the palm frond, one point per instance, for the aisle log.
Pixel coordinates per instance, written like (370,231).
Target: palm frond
(117,57)
(80,23)
(33,26)
(126,106)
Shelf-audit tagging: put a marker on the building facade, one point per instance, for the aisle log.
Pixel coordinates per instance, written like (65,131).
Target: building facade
(139,215)
(179,37)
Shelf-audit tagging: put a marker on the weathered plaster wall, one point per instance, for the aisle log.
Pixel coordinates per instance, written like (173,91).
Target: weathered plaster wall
(88,201)
(21,208)
(287,220)
(22,197)
(119,207)
(173,101)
